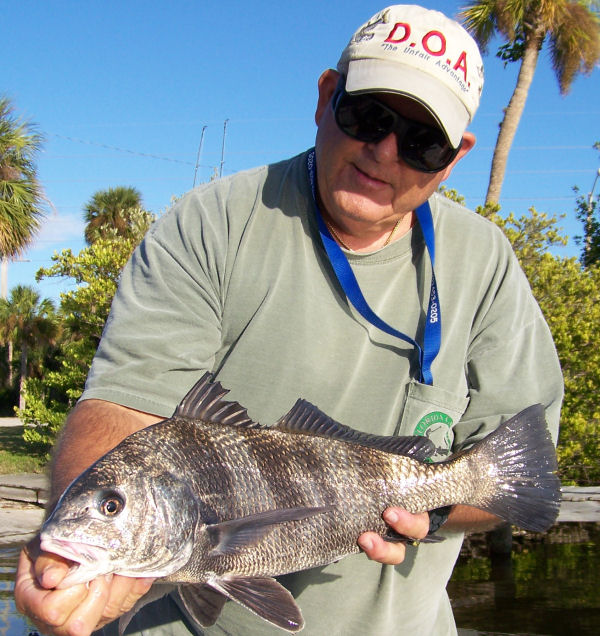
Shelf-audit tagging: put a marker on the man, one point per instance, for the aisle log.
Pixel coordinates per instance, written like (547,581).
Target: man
(243,278)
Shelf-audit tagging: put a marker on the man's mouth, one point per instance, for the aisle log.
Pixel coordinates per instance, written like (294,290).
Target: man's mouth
(371,177)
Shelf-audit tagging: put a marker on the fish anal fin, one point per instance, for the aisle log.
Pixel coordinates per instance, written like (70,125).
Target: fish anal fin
(306,418)
(265,597)
(202,602)
(229,537)
(205,401)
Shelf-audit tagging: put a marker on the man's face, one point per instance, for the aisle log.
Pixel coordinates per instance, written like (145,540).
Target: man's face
(368,182)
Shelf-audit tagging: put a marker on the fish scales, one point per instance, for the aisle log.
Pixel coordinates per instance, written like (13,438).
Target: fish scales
(258,464)
(258,483)
(218,505)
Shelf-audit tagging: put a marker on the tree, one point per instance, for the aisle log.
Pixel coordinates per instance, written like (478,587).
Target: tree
(531,235)
(586,213)
(21,195)
(7,337)
(20,192)
(590,241)
(111,210)
(28,324)
(96,271)
(572,29)
(569,297)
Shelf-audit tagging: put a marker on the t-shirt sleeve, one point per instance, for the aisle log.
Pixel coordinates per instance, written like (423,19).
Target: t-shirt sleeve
(164,326)
(512,361)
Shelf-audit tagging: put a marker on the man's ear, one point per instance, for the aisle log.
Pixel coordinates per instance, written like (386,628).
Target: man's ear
(468,141)
(327,85)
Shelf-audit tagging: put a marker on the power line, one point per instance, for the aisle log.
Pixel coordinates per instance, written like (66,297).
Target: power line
(127,150)
(244,120)
(196,165)
(562,171)
(540,148)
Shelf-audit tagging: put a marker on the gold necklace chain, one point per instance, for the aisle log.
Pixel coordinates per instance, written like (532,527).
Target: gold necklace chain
(338,238)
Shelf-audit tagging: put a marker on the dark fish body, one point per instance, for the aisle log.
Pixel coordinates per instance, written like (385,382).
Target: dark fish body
(218,505)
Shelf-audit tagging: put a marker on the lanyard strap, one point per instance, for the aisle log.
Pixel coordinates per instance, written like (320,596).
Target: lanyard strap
(432,336)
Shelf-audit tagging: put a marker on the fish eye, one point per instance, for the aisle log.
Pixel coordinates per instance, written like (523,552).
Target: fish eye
(111,504)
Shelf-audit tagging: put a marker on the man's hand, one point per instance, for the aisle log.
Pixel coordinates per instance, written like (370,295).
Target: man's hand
(403,522)
(77,610)
(92,428)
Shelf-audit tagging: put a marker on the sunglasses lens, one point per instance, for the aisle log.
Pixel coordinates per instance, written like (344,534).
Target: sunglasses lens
(363,117)
(426,149)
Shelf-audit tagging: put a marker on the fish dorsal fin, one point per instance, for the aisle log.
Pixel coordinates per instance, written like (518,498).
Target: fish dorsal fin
(306,418)
(265,597)
(205,401)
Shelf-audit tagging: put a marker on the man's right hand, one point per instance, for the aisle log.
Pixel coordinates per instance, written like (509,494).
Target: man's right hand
(77,610)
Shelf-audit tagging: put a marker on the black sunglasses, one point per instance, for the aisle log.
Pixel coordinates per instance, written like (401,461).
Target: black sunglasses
(365,118)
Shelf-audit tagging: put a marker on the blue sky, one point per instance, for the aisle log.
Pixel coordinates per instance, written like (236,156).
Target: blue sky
(122,90)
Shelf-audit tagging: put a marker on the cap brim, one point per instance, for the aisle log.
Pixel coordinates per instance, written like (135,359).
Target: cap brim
(393,77)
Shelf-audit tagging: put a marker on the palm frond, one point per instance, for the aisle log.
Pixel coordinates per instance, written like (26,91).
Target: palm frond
(574,44)
(21,195)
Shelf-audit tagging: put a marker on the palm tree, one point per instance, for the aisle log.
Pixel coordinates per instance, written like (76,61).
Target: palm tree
(27,324)
(21,195)
(108,211)
(572,28)
(7,337)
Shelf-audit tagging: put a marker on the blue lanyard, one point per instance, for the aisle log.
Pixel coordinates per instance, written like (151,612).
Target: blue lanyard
(432,336)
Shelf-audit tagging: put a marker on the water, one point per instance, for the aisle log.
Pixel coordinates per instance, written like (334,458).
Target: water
(11,622)
(548,586)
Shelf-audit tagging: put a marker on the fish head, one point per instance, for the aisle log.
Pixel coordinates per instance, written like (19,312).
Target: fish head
(135,523)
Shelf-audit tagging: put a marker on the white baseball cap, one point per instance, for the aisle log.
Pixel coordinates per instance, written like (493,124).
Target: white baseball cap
(422,54)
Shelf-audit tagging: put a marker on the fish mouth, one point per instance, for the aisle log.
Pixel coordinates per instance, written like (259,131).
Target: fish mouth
(88,560)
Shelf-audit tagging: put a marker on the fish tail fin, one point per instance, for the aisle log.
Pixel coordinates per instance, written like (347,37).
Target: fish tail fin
(517,471)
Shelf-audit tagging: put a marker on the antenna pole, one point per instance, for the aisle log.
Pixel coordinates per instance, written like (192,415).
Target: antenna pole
(198,156)
(223,148)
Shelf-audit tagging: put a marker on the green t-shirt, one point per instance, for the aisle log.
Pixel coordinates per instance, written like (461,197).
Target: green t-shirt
(234,279)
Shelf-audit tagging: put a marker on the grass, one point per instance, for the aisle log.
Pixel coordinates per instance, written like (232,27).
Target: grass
(15,456)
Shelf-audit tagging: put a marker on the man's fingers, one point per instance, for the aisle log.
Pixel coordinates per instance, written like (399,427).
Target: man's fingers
(85,617)
(49,609)
(124,594)
(382,551)
(77,610)
(50,569)
(401,521)
(415,526)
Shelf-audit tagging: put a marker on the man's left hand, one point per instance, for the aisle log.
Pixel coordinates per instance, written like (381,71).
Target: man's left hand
(415,526)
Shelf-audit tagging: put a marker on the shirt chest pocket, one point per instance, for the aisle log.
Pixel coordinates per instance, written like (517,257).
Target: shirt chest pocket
(432,412)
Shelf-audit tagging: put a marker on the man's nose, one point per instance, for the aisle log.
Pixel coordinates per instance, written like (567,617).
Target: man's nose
(386,149)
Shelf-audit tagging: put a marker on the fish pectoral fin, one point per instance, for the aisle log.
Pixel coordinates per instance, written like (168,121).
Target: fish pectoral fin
(231,536)
(202,602)
(266,598)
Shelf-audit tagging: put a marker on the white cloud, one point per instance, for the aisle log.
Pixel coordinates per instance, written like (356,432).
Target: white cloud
(59,231)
